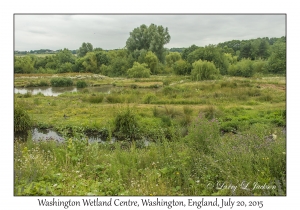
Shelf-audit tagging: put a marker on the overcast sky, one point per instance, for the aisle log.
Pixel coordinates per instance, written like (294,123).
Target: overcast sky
(34,32)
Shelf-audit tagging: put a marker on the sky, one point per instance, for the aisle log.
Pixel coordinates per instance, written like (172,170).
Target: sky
(54,32)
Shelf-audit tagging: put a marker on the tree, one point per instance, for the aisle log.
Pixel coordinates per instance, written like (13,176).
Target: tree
(65,67)
(65,56)
(210,53)
(243,68)
(24,64)
(172,57)
(277,60)
(84,49)
(151,38)
(204,70)
(188,50)
(152,61)
(90,62)
(181,67)
(139,71)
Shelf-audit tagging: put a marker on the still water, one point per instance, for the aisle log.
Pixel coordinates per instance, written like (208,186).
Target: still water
(55,91)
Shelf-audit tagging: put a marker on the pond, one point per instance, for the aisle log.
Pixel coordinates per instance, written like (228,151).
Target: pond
(55,91)
(48,134)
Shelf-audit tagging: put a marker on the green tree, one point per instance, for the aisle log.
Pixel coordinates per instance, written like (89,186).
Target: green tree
(210,53)
(181,67)
(172,57)
(151,38)
(84,49)
(65,67)
(204,70)
(24,65)
(65,56)
(119,63)
(243,68)
(139,71)
(277,60)
(90,62)
(152,61)
(188,50)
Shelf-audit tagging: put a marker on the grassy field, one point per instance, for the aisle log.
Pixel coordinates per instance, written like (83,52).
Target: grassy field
(205,137)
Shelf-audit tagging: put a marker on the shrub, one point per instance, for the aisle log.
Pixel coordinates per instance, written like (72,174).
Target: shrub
(149,98)
(43,83)
(61,82)
(96,99)
(204,70)
(260,66)
(243,68)
(181,67)
(81,84)
(139,71)
(126,124)
(22,121)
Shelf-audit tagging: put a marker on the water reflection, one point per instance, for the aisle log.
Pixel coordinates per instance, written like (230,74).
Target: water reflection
(55,91)
(48,134)
(47,91)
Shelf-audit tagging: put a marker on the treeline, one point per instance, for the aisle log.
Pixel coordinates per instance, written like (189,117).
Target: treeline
(41,51)
(236,58)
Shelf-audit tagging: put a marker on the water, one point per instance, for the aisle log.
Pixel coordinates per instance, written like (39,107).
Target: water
(47,91)
(48,134)
(55,91)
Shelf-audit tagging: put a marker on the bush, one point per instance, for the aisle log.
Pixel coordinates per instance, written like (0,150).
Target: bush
(43,83)
(149,98)
(181,67)
(139,71)
(243,68)
(22,121)
(204,70)
(126,124)
(96,99)
(81,84)
(61,82)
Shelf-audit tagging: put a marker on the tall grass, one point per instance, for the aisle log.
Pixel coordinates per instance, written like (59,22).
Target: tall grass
(183,167)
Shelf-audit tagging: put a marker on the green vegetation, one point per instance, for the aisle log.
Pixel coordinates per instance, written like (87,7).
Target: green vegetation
(22,121)
(203,70)
(81,84)
(199,132)
(139,71)
(172,121)
(61,82)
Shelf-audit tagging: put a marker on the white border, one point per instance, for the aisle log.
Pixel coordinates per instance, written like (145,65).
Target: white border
(8,8)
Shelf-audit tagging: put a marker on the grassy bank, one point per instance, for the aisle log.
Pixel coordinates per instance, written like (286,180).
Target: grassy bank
(203,137)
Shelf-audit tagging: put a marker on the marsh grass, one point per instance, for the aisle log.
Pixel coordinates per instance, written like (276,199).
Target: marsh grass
(226,143)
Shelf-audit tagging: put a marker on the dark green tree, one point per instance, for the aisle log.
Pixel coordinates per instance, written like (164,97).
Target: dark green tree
(210,53)
(187,51)
(84,49)
(151,38)
(277,60)
(65,56)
